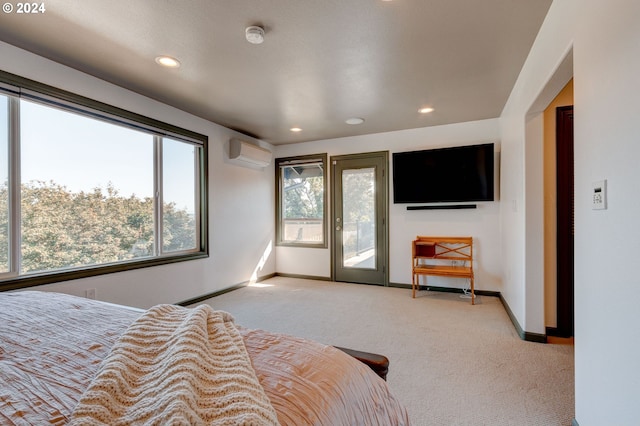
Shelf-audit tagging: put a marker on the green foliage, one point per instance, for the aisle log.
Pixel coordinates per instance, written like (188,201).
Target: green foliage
(62,229)
(303,198)
(178,229)
(358,191)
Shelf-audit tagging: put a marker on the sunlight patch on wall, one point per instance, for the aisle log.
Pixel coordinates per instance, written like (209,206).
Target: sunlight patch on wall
(260,265)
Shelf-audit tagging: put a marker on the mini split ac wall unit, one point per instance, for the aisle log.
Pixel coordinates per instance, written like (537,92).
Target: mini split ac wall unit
(249,153)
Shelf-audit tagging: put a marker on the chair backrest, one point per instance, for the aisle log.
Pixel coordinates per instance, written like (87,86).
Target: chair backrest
(445,248)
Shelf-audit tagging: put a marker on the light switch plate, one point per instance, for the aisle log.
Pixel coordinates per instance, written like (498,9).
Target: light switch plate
(599,195)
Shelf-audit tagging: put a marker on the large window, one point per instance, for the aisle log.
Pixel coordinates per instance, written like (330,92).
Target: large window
(86,188)
(302,204)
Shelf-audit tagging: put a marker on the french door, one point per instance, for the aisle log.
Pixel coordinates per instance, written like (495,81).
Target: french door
(359,218)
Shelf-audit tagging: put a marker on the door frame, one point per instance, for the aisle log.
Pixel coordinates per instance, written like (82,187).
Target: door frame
(380,192)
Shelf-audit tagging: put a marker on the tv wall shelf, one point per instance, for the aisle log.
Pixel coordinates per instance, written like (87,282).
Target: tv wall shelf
(443,207)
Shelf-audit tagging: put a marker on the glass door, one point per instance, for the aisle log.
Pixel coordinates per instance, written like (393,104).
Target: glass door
(359,218)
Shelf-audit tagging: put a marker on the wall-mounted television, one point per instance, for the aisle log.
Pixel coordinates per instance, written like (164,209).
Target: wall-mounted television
(456,174)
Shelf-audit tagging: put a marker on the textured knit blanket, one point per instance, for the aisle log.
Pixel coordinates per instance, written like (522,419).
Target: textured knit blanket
(177,366)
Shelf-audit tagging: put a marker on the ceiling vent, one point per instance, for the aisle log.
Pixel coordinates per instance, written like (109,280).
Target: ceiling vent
(249,153)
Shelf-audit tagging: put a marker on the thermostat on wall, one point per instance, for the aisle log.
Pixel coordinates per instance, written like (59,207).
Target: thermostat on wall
(599,195)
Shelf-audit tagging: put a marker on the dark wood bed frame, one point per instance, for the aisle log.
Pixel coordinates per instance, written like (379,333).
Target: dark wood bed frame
(378,363)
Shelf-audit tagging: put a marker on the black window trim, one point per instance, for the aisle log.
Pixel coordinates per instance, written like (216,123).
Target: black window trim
(14,85)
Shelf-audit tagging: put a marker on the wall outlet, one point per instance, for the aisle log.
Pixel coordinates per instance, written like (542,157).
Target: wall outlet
(90,293)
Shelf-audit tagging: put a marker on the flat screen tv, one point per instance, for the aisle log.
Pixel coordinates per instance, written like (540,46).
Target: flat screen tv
(456,174)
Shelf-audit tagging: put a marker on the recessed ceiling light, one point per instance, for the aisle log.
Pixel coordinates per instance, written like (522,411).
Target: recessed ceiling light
(425,110)
(168,61)
(354,120)
(295,129)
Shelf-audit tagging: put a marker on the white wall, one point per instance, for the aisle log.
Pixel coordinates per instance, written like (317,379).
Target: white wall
(606,63)
(607,66)
(241,227)
(481,223)
(522,177)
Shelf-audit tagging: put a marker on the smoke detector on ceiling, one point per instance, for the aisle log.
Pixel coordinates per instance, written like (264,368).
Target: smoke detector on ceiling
(254,34)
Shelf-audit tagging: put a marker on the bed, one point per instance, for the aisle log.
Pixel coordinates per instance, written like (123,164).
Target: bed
(70,360)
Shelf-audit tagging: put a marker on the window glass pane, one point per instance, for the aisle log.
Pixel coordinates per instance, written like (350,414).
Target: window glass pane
(86,190)
(179,195)
(4,184)
(302,203)
(359,218)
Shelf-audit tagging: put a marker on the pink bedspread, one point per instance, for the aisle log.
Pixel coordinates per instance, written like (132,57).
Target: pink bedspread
(51,346)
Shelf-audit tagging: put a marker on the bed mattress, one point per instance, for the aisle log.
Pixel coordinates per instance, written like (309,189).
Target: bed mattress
(53,345)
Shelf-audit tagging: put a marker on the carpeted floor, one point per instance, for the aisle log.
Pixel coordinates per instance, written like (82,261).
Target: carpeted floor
(451,363)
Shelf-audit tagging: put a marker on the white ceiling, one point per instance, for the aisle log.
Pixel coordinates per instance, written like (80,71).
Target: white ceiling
(323,61)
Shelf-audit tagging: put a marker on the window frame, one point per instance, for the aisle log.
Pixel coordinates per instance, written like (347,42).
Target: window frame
(301,159)
(17,87)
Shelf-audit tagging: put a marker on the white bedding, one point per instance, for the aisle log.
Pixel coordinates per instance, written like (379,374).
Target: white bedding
(175,365)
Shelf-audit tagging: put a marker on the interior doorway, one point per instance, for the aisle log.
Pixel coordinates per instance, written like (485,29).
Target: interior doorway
(565,222)
(558,190)
(359,188)
(559,214)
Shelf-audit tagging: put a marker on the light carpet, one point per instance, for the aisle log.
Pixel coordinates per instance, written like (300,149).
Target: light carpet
(451,363)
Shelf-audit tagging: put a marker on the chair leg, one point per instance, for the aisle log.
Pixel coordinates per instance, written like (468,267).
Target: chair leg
(473,294)
(413,285)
